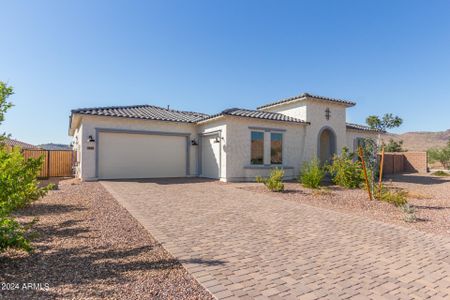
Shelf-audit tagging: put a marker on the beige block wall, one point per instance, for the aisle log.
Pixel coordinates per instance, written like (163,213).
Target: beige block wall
(416,161)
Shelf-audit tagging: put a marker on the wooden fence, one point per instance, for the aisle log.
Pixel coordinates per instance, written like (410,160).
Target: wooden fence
(57,163)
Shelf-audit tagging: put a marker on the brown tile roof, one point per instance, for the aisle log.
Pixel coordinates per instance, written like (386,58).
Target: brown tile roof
(16,143)
(150,112)
(257,114)
(362,128)
(307,95)
(147,112)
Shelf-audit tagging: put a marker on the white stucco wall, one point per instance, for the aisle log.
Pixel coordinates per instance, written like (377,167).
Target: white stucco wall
(295,109)
(90,123)
(78,146)
(313,111)
(239,144)
(218,125)
(354,134)
(300,141)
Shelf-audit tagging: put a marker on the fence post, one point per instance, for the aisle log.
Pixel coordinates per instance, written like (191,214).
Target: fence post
(48,163)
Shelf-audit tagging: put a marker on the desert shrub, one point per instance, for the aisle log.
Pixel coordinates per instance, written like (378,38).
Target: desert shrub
(441,155)
(12,235)
(18,188)
(18,181)
(312,174)
(322,192)
(275,180)
(394,146)
(410,213)
(345,171)
(393,196)
(440,173)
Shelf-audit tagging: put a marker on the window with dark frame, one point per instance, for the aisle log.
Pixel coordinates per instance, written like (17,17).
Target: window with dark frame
(276,148)
(359,142)
(257,148)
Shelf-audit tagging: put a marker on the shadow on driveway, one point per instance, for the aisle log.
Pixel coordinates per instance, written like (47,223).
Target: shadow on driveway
(166,181)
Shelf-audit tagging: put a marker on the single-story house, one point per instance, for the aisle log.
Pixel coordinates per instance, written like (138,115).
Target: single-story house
(146,141)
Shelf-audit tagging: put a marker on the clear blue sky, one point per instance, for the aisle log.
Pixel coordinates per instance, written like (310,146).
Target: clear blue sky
(388,56)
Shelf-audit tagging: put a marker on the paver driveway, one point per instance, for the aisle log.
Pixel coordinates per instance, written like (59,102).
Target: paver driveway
(241,244)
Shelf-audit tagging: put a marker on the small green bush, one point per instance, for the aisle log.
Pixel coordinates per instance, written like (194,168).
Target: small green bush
(18,188)
(275,180)
(312,174)
(410,213)
(440,173)
(345,172)
(396,197)
(18,181)
(12,235)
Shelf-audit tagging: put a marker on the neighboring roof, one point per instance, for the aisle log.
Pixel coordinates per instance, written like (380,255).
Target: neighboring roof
(307,95)
(52,146)
(147,112)
(16,143)
(362,128)
(257,114)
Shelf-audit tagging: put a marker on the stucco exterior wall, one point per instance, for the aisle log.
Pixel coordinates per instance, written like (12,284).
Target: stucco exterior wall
(90,123)
(352,135)
(238,147)
(78,146)
(294,109)
(300,141)
(313,111)
(220,126)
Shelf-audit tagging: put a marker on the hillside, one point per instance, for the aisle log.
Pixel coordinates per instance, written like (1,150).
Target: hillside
(52,146)
(421,141)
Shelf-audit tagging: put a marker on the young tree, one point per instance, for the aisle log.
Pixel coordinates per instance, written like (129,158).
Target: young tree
(5,92)
(388,121)
(18,185)
(441,155)
(394,146)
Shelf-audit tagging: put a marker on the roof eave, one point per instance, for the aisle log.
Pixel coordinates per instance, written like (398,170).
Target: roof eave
(213,118)
(367,130)
(302,98)
(72,126)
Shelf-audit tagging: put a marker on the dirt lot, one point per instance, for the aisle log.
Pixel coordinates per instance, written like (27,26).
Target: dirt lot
(88,247)
(430,195)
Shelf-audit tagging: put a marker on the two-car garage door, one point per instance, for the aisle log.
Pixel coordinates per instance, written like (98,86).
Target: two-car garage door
(132,155)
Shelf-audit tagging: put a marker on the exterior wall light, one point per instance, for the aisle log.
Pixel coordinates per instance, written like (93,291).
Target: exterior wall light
(91,139)
(194,142)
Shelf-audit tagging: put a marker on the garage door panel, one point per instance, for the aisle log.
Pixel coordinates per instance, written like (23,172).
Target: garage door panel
(125,155)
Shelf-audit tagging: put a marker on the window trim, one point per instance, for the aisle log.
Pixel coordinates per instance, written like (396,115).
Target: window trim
(282,149)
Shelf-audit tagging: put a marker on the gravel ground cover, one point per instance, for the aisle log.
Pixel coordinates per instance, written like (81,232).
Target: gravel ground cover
(430,196)
(88,247)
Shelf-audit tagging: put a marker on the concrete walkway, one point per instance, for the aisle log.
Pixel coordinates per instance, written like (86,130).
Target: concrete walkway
(239,244)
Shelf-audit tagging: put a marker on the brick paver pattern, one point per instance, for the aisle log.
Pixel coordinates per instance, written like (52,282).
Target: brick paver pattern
(240,244)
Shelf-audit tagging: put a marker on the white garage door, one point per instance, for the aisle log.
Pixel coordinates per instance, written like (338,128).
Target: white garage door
(125,155)
(210,157)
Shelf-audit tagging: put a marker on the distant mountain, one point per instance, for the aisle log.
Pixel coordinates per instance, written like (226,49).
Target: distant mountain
(51,146)
(421,140)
